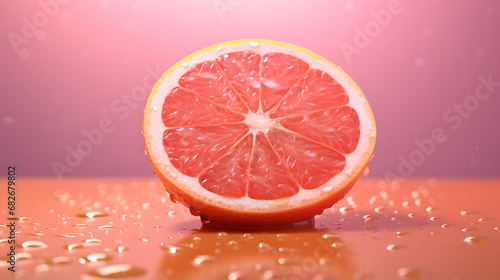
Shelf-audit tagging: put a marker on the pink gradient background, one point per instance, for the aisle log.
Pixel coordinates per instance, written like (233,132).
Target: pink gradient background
(88,54)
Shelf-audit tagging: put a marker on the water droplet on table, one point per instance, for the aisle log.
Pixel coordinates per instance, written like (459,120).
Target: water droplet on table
(117,271)
(411,274)
(396,247)
(476,240)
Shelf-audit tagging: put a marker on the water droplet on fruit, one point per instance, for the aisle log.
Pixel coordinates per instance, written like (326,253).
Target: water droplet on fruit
(204,220)
(366,172)
(396,247)
(155,109)
(185,64)
(469,229)
(476,240)
(253,44)
(348,171)
(486,219)
(174,199)
(437,218)
(220,48)
(117,271)
(60,260)
(371,133)
(193,211)
(411,274)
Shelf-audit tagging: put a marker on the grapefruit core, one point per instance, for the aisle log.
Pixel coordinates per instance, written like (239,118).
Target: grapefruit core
(257,133)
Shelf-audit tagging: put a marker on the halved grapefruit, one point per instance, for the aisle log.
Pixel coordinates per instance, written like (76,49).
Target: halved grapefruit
(257,133)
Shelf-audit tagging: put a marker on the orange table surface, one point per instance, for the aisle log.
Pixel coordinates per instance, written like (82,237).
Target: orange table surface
(127,228)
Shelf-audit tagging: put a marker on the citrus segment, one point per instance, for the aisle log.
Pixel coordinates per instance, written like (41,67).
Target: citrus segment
(184,108)
(192,149)
(257,133)
(242,71)
(315,91)
(207,81)
(268,177)
(311,163)
(337,128)
(229,175)
(279,73)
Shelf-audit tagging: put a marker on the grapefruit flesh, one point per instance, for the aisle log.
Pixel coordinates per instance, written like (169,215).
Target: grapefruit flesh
(257,133)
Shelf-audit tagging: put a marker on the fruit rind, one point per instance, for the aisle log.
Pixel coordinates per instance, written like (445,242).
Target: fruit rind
(270,212)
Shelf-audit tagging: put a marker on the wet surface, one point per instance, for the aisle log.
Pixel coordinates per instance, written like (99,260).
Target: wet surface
(130,229)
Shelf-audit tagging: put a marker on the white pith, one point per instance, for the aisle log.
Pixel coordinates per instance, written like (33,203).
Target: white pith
(257,122)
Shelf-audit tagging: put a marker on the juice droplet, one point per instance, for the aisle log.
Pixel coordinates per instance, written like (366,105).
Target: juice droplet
(155,109)
(346,209)
(73,246)
(106,227)
(171,213)
(369,218)
(431,209)
(92,214)
(93,241)
(411,274)
(61,260)
(174,199)
(402,234)
(395,247)
(437,218)
(20,257)
(204,220)
(41,268)
(380,209)
(448,226)
(117,271)
(121,249)
(95,257)
(33,245)
(170,248)
(204,260)
(34,234)
(469,229)
(236,275)
(70,235)
(193,211)
(79,225)
(366,172)
(476,240)
(185,64)
(371,228)
(486,219)
(470,213)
